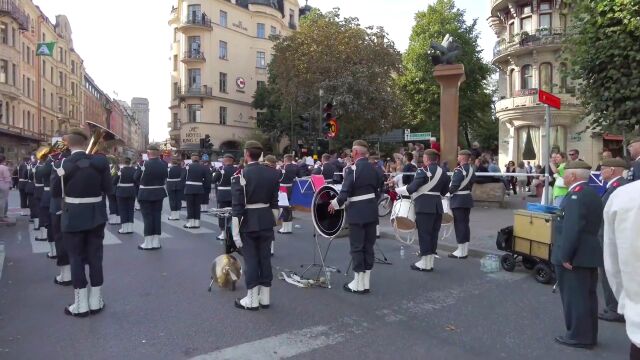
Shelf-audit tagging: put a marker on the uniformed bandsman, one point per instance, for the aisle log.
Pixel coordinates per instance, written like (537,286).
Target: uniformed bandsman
(55,210)
(125,191)
(114,218)
(634,152)
(375,161)
(255,210)
(23,179)
(430,183)
(152,177)
(43,176)
(577,255)
(137,167)
(461,203)
(197,177)
(206,197)
(40,223)
(611,172)
(175,188)
(326,169)
(33,200)
(360,188)
(85,181)
(222,179)
(289,174)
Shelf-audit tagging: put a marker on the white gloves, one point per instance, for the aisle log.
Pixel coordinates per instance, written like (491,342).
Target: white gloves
(235,231)
(335,204)
(276,214)
(402,191)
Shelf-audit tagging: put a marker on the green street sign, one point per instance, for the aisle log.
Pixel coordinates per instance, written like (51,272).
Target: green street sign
(417,136)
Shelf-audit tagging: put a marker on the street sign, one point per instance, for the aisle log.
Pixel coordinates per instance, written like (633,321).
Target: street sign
(549,99)
(416,136)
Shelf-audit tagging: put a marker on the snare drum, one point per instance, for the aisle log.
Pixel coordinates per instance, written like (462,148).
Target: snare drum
(403,215)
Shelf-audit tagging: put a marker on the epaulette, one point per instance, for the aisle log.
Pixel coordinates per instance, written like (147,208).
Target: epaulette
(578,188)
(237,172)
(615,184)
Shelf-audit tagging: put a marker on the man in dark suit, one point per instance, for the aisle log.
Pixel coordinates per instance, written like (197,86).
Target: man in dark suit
(461,202)
(197,178)
(611,171)
(360,188)
(255,210)
(427,189)
(222,178)
(634,152)
(23,179)
(577,255)
(152,177)
(289,174)
(125,192)
(327,170)
(86,181)
(175,188)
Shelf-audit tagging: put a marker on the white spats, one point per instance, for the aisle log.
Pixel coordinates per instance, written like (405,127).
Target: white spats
(52,254)
(64,278)
(251,301)
(222,236)
(287,228)
(155,242)
(175,215)
(41,234)
(264,296)
(430,260)
(126,228)
(357,284)
(366,281)
(273,247)
(36,224)
(96,302)
(114,219)
(147,244)
(422,263)
(80,306)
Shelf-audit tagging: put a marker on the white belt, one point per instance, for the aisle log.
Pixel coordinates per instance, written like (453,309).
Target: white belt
(193,183)
(91,200)
(462,192)
(224,188)
(152,187)
(431,193)
(257,206)
(47,189)
(286,185)
(174,179)
(125,185)
(59,212)
(361,197)
(23,180)
(39,185)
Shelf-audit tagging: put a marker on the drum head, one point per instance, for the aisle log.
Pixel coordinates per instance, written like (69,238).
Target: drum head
(327,225)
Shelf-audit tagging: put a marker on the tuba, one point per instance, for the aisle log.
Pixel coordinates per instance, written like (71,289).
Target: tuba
(99,137)
(46,151)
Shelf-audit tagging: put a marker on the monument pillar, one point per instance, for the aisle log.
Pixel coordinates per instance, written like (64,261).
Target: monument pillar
(449,77)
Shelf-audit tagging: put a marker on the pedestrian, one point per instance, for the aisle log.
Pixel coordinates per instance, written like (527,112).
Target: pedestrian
(634,152)
(461,202)
(114,217)
(5,186)
(360,188)
(222,179)
(255,210)
(289,174)
(23,181)
(605,155)
(621,251)
(197,177)
(577,255)
(175,188)
(521,180)
(125,191)
(152,177)
(511,182)
(574,154)
(14,174)
(408,169)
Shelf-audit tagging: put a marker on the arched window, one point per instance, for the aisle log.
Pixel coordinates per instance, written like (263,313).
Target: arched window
(564,76)
(526,82)
(546,77)
(512,83)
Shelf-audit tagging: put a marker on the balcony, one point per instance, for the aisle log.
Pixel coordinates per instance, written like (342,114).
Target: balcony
(10,91)
(525,42)
(20,131)
(198,92)
(199,22)
(529,97)
(10,8)
(193,57)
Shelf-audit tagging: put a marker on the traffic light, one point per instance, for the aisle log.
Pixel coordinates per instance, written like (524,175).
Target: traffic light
(208,146)
(327,115)
(306,122)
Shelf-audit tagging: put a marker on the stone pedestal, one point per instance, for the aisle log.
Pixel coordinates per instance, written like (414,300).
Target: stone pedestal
(449,77)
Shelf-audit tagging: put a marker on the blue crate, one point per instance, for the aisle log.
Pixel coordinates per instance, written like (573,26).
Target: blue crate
(547,209)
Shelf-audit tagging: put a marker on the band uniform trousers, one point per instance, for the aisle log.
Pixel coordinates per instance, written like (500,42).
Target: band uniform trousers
(256,246)
(193,205)
(204,199)
(152,216)
(34,206)
(24,199)
(579,302)
(287,212)
(634,353)
(85,247)
(362,238)
(428,231)
(461,224)
(175,199)
(55,232)
(610,301)
(113,204)
(224,221)
(126,209)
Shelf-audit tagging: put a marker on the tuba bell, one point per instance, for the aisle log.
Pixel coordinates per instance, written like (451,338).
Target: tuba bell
(99,136)
(225,272)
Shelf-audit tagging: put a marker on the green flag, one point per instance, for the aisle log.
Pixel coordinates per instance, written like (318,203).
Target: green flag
(45,49)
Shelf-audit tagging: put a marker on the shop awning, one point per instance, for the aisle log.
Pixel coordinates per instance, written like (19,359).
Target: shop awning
(613,137)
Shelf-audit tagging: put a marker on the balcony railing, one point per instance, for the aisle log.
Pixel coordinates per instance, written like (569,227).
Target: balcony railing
(193,56)
(542,37)
(198,21)
(200,91)
(17,130)
(11,8)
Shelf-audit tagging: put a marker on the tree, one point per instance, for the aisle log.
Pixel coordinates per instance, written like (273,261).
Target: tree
(604,50)
(351,65)
(422,92)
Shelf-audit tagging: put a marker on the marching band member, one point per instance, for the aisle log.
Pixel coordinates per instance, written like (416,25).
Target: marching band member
(175,188)
(30,189)
(126,196)
(152,177)
(40,222)
(114,218)
(222,177)
(85,180)
(205,198)
(23,179)
(43,174)
(428,186)
(360,188)
(462,203)
(136,205)
(289,174)
(375,161)
(197,176)
(326,169)
(255,210)
(55,210)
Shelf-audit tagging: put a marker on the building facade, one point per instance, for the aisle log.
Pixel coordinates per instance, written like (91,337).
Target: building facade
(528,56)
(220,51)
(140,107)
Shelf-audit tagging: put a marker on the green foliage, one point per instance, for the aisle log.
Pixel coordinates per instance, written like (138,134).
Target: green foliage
(605,56)
(421,90)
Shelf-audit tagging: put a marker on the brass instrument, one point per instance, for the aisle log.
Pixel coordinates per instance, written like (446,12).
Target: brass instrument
(99,136)
(225,271)
(44,152)
(114,165)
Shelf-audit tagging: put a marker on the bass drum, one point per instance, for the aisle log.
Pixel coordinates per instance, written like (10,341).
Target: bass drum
(328,225)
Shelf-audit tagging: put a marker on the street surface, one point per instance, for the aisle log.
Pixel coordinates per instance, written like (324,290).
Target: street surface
(158,307)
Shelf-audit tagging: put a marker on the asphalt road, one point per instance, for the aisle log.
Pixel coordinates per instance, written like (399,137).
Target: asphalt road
(158,307)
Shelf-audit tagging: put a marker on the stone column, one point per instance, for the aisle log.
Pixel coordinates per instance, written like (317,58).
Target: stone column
(449,77)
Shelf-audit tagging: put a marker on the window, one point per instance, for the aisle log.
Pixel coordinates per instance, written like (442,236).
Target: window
(223,83)
(175,62)
(4,33)
(223,18)
(527,77)
(194,113)
(512,83)
(292,17)
(545,23)
(14,74)
(545,6)
(261,60)
(222,49)
(274,31)
(73,67)
(194,78)
(261,84)
(546,77)
(44,69)
(223,115)
(175,90)
(525,24)
(194,14)
(526,10)
(261,31)
(512,30)
(563,22)
(61,83)
(194,46)
(563,78)
(4,72)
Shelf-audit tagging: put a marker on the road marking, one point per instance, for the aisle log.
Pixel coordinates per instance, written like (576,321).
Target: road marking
(138,228)
(1,257)
(39,247)
(179,225)
(280,346)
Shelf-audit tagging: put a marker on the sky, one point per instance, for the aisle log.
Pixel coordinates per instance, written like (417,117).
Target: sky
(125,44)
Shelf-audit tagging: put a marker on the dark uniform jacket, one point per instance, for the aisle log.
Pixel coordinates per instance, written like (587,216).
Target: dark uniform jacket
(380,172)
(151,178)
(361,179)
(408,168)
(576,236)
(55,206)
(289,174)
(207,184)
(85,177)
(611,187)
(23,176)
(30,186)
(222,178)
(429,203)
(261,185)
(634,171)
(37,180)
(464,200)
(43,176)
(176,178)
(124,182)
(197,177)
(326,170)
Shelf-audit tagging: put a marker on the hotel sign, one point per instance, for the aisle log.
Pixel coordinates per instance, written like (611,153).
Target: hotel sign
(191,136)
(239,25)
